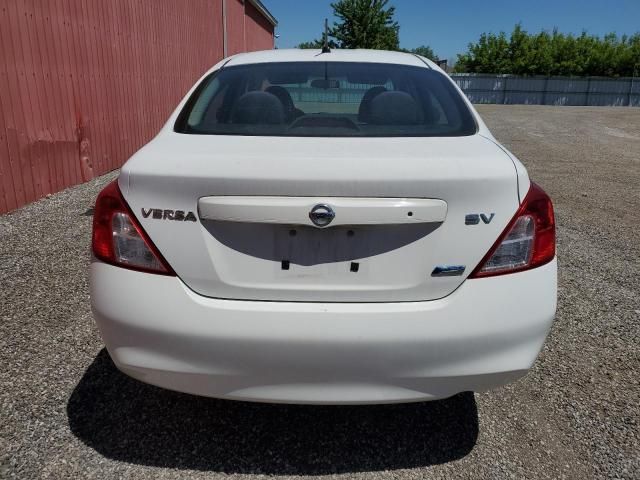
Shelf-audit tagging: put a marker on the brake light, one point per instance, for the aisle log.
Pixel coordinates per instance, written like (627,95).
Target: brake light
(528,241)
(119,239)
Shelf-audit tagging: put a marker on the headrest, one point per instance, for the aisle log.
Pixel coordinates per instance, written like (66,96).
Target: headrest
(364,111)
(394,108)
(258,108)
(283,95)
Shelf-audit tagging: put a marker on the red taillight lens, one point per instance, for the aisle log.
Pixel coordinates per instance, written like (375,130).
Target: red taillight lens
(119,239)
(528,241)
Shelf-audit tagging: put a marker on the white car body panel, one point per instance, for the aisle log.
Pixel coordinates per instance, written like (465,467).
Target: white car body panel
(287,167)
(523,176)
(235,323)
(161,332)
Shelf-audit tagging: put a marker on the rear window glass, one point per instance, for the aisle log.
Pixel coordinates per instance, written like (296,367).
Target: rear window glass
(326,99)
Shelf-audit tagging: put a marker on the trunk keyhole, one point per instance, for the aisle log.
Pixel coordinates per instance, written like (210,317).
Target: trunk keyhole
(285,264)
(355,266)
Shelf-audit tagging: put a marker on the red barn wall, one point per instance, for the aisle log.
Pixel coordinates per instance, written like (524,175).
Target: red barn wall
(85,83)
(235,27)
(258,35)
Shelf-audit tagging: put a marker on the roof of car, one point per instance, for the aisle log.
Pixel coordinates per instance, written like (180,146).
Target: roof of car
(336,55)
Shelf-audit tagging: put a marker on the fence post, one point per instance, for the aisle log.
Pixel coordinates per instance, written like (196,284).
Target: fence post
(544,92)
(586,102)
(630,92)
(504,91)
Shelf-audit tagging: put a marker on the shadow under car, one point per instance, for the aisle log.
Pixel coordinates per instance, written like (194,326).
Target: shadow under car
(126,420)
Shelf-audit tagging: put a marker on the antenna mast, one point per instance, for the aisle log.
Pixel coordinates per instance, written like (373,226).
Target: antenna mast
(325,46)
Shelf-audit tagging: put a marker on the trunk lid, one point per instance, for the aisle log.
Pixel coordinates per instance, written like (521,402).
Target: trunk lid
(231,214)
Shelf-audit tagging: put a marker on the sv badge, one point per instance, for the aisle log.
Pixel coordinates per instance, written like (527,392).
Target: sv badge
(474,218)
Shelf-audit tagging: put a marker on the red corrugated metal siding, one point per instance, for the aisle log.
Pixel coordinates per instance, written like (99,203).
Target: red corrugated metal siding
(85,83)
(235,27)
(258,34)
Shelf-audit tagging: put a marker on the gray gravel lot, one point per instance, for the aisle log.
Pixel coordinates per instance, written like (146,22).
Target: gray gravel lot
(67,412)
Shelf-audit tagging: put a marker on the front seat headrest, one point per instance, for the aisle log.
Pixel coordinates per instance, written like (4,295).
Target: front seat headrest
(394,108)
(283,96)
(364,110)
(258,108)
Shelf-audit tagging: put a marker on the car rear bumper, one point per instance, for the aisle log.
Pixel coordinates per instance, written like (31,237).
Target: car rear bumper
(485,334)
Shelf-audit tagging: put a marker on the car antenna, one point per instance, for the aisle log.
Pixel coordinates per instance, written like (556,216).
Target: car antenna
(325,45)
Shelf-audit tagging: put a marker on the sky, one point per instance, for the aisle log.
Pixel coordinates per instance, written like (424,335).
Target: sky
(449,25)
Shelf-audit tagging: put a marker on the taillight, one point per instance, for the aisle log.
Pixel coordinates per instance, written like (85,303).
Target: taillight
(528,241)
(119,239)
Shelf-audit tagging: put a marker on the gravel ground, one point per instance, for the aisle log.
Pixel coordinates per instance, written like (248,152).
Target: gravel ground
(67,412)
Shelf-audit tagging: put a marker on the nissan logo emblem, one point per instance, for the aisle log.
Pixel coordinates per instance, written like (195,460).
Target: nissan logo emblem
(322,215)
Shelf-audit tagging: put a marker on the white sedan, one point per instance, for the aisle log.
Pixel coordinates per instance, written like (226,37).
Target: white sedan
(324,228)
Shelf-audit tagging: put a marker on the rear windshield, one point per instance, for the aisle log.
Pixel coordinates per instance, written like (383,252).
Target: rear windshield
(326,99)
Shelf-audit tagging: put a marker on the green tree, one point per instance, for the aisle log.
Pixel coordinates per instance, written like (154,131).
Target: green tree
(362,24)
(365,24)
(520,51)
(315,44)
(630,59)
(311,44)
(552,53)
(425,51)
(489,55)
